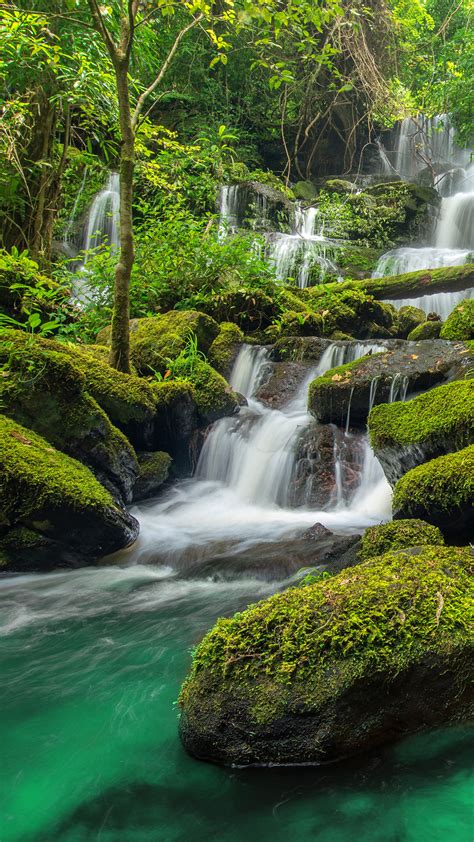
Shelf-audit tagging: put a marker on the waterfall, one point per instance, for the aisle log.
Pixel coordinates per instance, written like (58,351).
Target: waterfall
(72,215)
(455,229)
(441,303)
(407,259)
(103,218)
(295,255)
(229,199)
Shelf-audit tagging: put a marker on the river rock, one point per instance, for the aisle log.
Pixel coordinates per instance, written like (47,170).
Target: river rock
(53,510)
(318,673)
(283,382)
(404,435)
(380,377)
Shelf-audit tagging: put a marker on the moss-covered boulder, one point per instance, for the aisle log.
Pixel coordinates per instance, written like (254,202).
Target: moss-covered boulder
(176,422)
(440,492)
(223,351)
(54,511)
(156,340)
(348,310)
(213,396)
(154,471)
(460,324)
(299,348)
(305,191)
(398,535)
(408,319)
(440,421)
(356,262)
(318,673)
(425,330)
(44,389)
(382,377)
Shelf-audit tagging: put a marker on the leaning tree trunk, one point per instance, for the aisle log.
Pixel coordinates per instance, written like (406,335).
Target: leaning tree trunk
(120,347)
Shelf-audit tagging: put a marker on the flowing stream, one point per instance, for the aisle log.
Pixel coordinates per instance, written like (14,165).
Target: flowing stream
(93,660)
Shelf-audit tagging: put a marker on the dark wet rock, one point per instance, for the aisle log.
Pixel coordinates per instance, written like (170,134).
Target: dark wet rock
(319,673)
(380,377)
(316,532)
(154,471)
(284,380)
(300,349)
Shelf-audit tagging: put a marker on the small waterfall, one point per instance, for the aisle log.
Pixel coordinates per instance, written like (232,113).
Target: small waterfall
(229,199)
(103,218)
(417,142)
(247,370)
(407,259)
(441,303)
(72,215)
(455,229)
(295,255)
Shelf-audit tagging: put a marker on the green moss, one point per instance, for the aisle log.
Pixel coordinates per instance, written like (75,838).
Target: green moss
(305,191)
(425,330)
(157,340)
(356,261)
(408,319)
(154,466)
(340,375)
(299,649)
(444,413)
(35,476)
(213,396)
(398,535)
(302,324)
(223,350)
(460,324)
(339,336)
(438,489)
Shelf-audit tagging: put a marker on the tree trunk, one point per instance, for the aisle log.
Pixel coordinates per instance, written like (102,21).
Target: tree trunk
(120,347)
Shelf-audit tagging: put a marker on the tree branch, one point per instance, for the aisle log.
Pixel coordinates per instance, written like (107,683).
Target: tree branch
(143,97)
(101,28)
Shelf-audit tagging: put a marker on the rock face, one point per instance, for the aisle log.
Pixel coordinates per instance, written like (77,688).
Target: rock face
(321,672)
(442,493)
(404,435)
(53,509)
(382,377)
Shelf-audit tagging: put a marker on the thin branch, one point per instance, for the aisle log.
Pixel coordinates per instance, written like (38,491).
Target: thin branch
(101,28)
(142,98)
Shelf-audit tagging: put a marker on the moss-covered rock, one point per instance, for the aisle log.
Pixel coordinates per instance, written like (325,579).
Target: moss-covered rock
(381,377)
(350,311)
(156,340)
(425,330)
(357,262)
(54,511)
(299,348)
(408,319)
(440,421)
(398,535)
(154,471)
(176,422)
(318,673)
(441,492)
(460,324)
(213,396)
(223,351)
(44,389)
(305,191)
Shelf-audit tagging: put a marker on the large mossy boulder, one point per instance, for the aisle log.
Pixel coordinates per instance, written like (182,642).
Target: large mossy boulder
(441,492)
(408,319)
(156,340)
(318,673)
(398,535)
(404,435)
(460,324)
(223,351)
(351,311)
(43,389)
(425,330)
(53,510)
(382,377)
(213,396)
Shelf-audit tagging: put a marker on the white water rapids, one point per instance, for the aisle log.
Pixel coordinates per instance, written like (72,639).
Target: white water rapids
(239,496)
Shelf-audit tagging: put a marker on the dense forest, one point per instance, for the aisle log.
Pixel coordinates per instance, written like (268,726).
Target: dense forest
(236,420)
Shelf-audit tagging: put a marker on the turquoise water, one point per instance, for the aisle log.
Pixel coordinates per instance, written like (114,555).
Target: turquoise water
(91,666)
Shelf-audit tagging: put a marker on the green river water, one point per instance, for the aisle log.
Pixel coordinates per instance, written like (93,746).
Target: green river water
(92,662)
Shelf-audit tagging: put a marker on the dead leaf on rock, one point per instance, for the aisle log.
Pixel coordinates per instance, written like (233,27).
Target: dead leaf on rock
(414,356)
(336,377)
(19,437)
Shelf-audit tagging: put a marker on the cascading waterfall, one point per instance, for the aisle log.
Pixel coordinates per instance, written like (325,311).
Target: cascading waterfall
(72,215)
(103,218)
(417,143)
(295,255)
(240,497)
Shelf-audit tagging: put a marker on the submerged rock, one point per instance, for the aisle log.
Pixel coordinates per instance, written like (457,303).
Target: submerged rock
(382,377)
(54,511)
(404,435)
(322,672)
(440,492)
